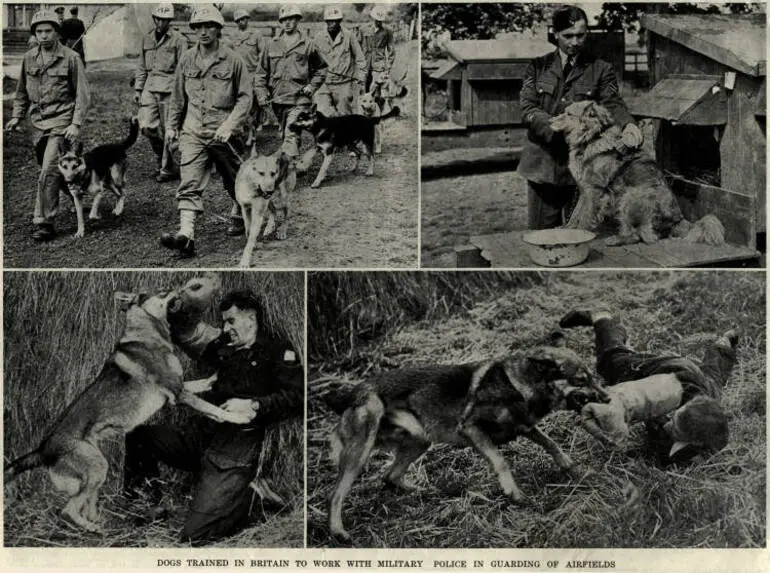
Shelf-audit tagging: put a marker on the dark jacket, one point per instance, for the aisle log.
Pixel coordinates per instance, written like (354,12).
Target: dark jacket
(270,372)
(72,33)
(545,93)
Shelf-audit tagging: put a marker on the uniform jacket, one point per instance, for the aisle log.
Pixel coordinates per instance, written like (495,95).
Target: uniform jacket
(55,94)
(270,372)
(72,32)
(207,95)
(378,48)
(344,57)
(248,44)
(545,93)
(286,66)
(158,61)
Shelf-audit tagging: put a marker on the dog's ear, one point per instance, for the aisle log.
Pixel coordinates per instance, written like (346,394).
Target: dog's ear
(125,299)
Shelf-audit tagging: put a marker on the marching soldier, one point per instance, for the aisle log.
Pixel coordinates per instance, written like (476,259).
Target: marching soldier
(346,74)
(377,43)
(53,91)
(162,49)
(210,105)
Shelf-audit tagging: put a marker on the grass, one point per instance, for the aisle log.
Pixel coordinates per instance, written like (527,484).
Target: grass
(351,221)
(628,500)
(59,329)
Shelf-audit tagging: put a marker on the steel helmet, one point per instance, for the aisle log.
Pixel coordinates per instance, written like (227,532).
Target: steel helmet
(288,11)
(380,13)
(206,13)
(332,13)
(164,12)
(241,13)
(59,9)
(47,16)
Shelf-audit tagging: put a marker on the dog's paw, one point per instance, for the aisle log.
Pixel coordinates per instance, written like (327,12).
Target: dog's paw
(244,264)
(369,172)
(315,184)
(281,234)
(80,234)
(94,217)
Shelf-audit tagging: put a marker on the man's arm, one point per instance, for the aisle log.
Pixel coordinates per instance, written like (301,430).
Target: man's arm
(140,76)
(243,98)
(360,60)
(262,76)
(317,67)
(391,48)
(82,92)
(288,376)
(177,102)
(21,98)
(609,96)
(533,116)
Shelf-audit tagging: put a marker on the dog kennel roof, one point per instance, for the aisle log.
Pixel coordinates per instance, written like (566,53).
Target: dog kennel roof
(522,47)
(690,100)
(734,40)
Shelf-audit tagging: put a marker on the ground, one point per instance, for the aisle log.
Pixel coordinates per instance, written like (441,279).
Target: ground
(351,221)
(628,500)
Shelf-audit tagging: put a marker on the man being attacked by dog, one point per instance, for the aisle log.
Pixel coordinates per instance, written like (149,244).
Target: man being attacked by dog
(683,412)
(162,49)
(53,91)
(209,114)
(377,42)
(551,83)
(346,74)
(254,374)
(290,72)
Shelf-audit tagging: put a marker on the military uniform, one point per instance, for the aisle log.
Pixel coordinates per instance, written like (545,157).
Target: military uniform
(546,93)
(55,94)
(248,44)
(380,54)
(345,75)
(288,64)
(154,78)
(206,95)
(225,456)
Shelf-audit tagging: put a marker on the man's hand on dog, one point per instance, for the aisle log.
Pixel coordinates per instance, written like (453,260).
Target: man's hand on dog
(223,133)
(242,410)
(72,132)
(632,137)
(171,135)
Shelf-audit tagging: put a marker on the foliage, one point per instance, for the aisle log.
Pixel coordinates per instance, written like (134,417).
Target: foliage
(626,15)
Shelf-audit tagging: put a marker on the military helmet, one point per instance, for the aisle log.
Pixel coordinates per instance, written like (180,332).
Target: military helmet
(206,13)
(47,16)
(332,13)
(289,10)
(380,13)
(239,14)
(59,9)
(164,11)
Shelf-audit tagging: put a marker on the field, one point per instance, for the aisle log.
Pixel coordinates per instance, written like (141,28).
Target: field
(352,220)
(59,329)
(626,500)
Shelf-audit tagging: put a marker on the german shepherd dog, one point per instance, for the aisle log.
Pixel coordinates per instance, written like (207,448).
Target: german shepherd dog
(99,170)
(139,378)
(481,404)
(333,133)
(374,103)
(262,187)
(622,185)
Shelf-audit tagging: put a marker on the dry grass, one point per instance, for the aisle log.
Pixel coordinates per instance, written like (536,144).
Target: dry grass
(628,500)
(59,329)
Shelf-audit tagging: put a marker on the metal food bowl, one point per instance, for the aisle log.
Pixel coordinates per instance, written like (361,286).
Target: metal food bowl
(558,247)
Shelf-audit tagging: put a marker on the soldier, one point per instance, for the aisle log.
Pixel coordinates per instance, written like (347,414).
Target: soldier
(59,10)
(551,83)
(346,74)
(162,49)
(210,104)
(53,90)
(246,43)
(73,33)
(291,66)
(377,43)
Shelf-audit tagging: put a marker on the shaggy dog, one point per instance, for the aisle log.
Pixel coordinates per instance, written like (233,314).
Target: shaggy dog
(621,184)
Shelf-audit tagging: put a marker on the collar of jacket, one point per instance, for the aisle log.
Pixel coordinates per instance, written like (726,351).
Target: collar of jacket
(340,37)
(220,54)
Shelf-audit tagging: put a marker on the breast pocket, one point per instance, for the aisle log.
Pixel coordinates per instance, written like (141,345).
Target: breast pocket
(57,89)
(545,90)
(585,89)
(192,85)
(34,78)
(222,89)
(165,59)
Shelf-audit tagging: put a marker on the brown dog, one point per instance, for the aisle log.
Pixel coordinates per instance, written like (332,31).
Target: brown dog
(481,404)
(621,184)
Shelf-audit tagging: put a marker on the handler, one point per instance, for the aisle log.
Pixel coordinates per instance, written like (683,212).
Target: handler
(53,90)
(210,102)
(551,83)
(346,74)
(162,49)
(257,376)
(379,50)
(700,417)
(290,72)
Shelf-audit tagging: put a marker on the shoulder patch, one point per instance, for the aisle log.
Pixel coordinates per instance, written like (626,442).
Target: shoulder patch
(289,356)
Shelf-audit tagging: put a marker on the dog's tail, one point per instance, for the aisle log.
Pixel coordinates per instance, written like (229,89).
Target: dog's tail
(708,230)
(395,112)
(133,134)
(24,463)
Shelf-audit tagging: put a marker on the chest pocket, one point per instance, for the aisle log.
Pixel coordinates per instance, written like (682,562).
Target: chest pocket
(586,88)
(192,85)
(165,59)
(55,85)
(545,89)
(221,84)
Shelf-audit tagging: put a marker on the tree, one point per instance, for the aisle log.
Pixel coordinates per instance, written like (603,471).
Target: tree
(622,15)
(480,21)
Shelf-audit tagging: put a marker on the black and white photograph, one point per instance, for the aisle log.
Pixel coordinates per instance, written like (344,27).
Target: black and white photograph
(638,400)
(153,409)
(622,135)
(145,135)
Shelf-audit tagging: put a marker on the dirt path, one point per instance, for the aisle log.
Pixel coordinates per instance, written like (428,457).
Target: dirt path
(351,221)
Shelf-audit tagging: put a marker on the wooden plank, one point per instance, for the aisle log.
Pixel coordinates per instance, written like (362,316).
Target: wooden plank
(496,102)
(496,70)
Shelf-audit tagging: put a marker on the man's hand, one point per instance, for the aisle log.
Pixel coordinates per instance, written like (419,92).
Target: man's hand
(12,124)
(223,133)
(632,136)
(137,96)
(307,90)
(72,132)
(171,135)
(240,405)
